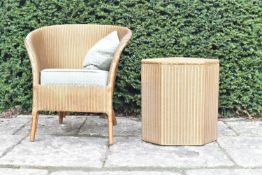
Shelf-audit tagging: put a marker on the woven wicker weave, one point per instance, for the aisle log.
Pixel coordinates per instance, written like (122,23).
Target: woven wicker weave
(179,100)
(64,46)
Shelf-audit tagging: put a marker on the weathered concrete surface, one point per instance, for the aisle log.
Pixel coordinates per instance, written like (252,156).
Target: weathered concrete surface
(224,130)
(233,119)
(7,142)
(79,146)
(12,125)
(97,126)
(225,172)
(115,173)
(51,151)
(245,151)
(48,125)
(9,171)
(247,128)
(132,152)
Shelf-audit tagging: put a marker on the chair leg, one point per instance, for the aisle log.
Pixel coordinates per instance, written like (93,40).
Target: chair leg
(34,125)
(61,116)
(114,118)
(110,128)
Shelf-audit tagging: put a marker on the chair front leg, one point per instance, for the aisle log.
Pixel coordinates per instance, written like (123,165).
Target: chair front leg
(34,125)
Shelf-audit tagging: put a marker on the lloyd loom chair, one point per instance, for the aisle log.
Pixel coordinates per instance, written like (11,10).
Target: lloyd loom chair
(64,47)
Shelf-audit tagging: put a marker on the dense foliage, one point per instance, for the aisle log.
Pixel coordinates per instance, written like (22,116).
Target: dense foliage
(229,30)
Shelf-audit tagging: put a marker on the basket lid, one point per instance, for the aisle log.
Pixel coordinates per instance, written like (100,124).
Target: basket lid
(180,60)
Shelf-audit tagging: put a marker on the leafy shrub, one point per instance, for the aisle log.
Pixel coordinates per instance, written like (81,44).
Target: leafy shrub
(227,30)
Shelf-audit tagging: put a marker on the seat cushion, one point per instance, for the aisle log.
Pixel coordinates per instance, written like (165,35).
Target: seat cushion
(101,54)
(74,77)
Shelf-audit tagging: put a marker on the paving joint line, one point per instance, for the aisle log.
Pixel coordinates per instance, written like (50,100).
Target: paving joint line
(106,156)
(19,129)
(78,130)
(99,136)
(149,168)
(230,127)
(227,154)
(103,168)
(92,136)
(12,147)
(181,170)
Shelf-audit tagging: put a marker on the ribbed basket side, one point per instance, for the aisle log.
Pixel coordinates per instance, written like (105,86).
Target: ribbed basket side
(72,98)
(151,89)
(182,106)
(211,101)
(180,103)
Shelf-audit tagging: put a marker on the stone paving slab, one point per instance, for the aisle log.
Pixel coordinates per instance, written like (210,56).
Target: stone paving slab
(79,146)
(245,151)
(8,141)
(247,128)
(225,172)
(132,152)
(224,130)
(115,173)
(52,151)
(9,171)
(233,119)
(12,125)
(48,125)
(97,126)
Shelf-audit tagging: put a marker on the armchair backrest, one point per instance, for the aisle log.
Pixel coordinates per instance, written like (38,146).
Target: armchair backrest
(65,46)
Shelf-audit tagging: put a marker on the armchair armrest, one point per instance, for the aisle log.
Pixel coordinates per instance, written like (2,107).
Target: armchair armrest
(34,58)
(115,61)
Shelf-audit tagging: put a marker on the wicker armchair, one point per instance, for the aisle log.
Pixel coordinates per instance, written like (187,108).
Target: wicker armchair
(64,46)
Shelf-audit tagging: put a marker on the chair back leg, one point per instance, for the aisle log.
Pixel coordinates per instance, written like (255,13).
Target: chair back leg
(61,116)
(110,127)
(114,118)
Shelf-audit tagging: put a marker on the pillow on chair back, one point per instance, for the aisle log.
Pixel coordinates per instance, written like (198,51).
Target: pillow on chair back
(101,54)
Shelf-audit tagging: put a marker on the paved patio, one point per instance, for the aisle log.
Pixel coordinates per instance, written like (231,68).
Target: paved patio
(79,147)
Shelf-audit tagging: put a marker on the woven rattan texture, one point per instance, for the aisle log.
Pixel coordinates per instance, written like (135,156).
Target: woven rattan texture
(65,46)
(180,103)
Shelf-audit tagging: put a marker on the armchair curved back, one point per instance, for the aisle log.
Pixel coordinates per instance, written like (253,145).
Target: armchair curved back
(65,46)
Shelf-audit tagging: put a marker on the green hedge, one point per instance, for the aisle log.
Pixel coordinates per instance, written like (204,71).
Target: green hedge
(229,30)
